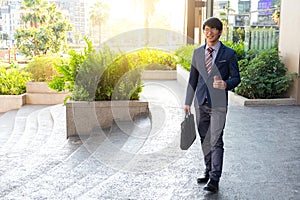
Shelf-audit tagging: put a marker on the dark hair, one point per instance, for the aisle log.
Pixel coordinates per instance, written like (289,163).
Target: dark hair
(213,22)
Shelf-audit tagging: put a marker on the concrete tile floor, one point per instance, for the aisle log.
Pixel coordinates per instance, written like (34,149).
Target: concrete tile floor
(142,160)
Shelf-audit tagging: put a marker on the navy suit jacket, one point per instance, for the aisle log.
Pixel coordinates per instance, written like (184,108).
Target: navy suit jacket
(201,83)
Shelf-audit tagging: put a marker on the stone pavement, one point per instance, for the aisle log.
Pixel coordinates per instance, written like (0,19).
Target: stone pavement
(142,159)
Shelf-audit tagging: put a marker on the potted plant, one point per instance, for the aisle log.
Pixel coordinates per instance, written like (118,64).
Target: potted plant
(264,76)
(12,87)
(37,90)
(156,64)
(104,87)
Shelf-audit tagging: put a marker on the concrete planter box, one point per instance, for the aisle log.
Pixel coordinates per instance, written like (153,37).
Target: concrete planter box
(259,102)
(84,117)
(182,75)
(11,102)
(159,75)
(40,93)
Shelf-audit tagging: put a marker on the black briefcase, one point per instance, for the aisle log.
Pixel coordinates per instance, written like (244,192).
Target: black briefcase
(188,131)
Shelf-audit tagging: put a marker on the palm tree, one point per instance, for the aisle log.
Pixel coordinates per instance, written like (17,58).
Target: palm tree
(98,16)
(34,12)
(35,15)
(43,29)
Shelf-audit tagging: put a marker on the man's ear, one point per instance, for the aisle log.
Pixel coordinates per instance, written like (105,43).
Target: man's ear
(220,33)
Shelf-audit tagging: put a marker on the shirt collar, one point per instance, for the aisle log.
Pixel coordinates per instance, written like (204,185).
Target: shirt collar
(215,47)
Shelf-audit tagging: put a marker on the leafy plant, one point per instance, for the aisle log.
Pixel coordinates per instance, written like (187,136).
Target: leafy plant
(102,75)
(239,48)
(107,75)
(184,54)
(264,76)
(43,68)
(12,65)
(153,59)
(238,35)
(90,73)
(13,81)
(68,69)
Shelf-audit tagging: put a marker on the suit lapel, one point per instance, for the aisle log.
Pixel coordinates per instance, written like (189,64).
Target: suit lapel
(202,67)
(203,70)
(220,52)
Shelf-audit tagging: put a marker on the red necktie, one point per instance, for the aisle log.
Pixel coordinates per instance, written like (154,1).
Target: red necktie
(208,60)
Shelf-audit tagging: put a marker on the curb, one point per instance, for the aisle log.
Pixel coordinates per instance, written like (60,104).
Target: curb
(232,97)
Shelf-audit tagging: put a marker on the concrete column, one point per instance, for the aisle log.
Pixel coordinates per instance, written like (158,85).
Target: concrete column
(190,21)
(209,8)
(289,41)
(199,5)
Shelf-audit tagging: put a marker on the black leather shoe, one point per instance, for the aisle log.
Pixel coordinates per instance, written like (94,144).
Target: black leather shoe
(203,178)
(211,186)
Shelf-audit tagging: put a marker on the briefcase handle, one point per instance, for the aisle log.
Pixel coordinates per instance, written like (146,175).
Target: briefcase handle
(187,114)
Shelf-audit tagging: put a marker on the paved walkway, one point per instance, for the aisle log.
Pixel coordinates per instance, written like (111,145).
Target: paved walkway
(141,160)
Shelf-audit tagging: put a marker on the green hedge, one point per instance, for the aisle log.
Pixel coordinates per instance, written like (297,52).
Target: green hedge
(153,59)
(13,81)
(184,55)
(107,75)
(264,76)
(100,76)
(239,48)
(42,68)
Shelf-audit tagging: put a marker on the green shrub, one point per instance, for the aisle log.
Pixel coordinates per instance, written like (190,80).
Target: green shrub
(121,79)
(184,54)
(13,81)
(263,76)
(100,76)
(12,65)
(153,59)
(68,69)
(239,47)
(107,75)
(42,68)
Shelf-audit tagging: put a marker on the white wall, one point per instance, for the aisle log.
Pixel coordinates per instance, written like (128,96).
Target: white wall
(289,40)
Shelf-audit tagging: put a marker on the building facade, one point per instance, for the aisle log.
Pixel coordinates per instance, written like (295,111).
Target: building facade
(242,13)
(265,11)
(78,14)
(76,11)
(9,21)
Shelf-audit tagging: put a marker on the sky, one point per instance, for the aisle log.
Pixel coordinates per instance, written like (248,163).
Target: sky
(128,15)
(171,11)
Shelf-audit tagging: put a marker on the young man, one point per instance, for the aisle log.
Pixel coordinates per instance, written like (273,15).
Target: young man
(214,71)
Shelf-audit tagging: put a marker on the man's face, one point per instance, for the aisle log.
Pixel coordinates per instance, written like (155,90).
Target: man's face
(212,35)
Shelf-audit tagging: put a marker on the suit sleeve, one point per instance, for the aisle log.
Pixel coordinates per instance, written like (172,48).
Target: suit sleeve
(234,74)
(192,83)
